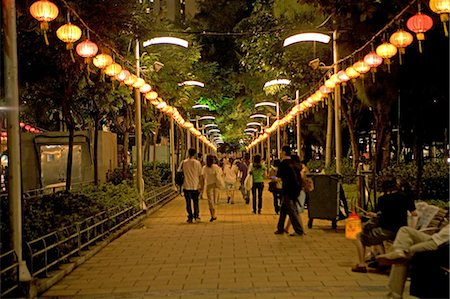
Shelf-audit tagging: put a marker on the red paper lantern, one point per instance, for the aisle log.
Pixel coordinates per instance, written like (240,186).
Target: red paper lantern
(373,60)
(419,24)
(401,39)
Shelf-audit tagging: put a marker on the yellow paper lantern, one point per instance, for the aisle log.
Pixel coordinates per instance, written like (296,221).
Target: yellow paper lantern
(44,11)
(131,80)
(152,95)
(123,75)
(145,88)
(351,72)
(330,84)
(113,69)
(69,34)
(102,60)
(386,51)
(87,49)
(335,79)
(401,39)
(441,7)
(361,67)
(139,83)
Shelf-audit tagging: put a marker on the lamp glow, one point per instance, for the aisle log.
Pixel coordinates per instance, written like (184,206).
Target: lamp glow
(192,83)
(211,126)
(307,37)
(166,40)
(200,106)
(250,130)
(258,116)
(254,124)
(207,117)
(265,104)
(214,131)
(277,82)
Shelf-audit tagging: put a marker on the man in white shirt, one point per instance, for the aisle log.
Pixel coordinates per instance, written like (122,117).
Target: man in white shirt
(192,170)
(408,242)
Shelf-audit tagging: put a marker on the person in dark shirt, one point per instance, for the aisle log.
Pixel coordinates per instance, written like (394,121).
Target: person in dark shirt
(290,178)
(391,211)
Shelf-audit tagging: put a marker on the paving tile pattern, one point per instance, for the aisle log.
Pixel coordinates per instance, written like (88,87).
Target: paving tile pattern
(238,256)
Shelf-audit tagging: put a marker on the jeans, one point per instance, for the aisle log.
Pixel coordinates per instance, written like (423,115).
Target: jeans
(288,208)
(276,200)
(259,187)
(191,196)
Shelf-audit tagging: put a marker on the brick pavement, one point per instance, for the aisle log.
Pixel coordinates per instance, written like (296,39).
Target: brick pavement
(238,256)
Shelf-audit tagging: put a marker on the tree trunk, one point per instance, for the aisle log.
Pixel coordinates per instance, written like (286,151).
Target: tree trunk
(69,158)
(147,144)
(155,138)
(347,111)
(382,132)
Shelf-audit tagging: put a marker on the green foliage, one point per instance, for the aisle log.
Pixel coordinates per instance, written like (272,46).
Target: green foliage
(158,177)
(348,172)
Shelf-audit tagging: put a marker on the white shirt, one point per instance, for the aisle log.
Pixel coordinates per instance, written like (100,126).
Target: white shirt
(209,173)
(442,236)
(230,173)
(192,170)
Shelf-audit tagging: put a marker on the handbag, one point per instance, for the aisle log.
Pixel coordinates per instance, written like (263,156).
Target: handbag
(179,178)
(248,183)
(220,183)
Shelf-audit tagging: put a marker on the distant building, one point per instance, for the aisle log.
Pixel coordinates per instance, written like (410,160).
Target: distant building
(173,10)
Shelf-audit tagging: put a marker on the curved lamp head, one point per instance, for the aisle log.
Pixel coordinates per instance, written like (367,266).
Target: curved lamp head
(254,124)
(166,40)
(192,83)
(211,126)
(199,106)
(277,82)
(250,130)
(214,131)
(265,104)
(307,37)
(207,117)
(258,116)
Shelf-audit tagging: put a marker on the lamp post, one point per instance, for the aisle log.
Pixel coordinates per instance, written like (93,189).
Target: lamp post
(324,38)
(138,133)
(277,109)
(299,137)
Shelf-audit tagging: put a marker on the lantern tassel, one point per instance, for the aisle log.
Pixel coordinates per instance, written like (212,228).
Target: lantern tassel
(400,57)
(71,55)
(420,46)
(46,38)
(445,29)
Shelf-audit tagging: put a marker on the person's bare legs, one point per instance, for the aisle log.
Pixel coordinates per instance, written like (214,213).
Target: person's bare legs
(288,225)
(361,249)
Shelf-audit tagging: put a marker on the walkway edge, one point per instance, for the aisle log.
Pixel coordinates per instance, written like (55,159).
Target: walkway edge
(38,286)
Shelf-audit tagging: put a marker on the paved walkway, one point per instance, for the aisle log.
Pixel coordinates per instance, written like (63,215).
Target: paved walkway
(238,256)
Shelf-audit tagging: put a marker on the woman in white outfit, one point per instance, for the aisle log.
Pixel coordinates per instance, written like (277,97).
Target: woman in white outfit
(210,172)
(230,172)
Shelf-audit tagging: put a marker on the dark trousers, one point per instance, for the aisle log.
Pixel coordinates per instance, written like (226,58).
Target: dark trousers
(259,187)
(276,200)
(288,208)
(191,196)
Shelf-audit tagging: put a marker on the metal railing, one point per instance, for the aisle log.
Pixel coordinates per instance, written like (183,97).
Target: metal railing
(58,246)
(9,273)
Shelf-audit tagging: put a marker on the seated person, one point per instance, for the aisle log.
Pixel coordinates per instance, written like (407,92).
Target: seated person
(392,214)
(408,242)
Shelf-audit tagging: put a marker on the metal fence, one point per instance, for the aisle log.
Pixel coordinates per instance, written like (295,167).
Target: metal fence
(57,247)
(9,273)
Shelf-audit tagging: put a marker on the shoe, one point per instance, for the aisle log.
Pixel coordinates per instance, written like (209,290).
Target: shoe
(259,211)
(197,219)
(295,234)
(279,232)
(232,202)
(393,257)
(254,212)
(247,200)
(189,220)
(393,295)
(359,269)
(228,200)
(212,219)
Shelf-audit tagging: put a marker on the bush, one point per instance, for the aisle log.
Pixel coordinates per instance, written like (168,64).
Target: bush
(117,176)
(348,172)
(161,176)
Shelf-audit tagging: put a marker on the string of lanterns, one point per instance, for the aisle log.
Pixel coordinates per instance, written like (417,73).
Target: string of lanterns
(419,24)
(45,11)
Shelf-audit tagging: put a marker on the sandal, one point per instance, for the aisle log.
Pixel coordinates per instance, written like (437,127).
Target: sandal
(359,269)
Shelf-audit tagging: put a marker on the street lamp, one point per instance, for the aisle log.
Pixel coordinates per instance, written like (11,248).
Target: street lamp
(167,40)
(192,83)
(277,108)
(324,38)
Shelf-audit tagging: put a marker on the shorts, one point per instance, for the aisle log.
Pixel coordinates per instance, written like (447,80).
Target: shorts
(376,236)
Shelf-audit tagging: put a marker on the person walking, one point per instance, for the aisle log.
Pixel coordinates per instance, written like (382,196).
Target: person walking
(243,169)
(291,186)
(210,174)
(230,172)
(257,171)
(300,204)
(275,186)
(192,171)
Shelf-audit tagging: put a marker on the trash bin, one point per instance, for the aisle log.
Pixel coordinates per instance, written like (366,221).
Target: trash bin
(327,200)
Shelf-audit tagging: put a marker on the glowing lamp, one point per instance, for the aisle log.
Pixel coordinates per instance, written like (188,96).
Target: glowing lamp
(342,75)
(386,51)
(139,83)
(351,72)
(161,105)
(123,75)
(419,24)
(44,11)
(113,69)
(335,79)
(325,90)
(330,84)
(441,7)
(87,49)
(21,125)
(373,60)
(152,95)
(69,34)
(27,127)
(361,67)
(401,39)
(145,88)
(131,80)
(102,60)
(352,226)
